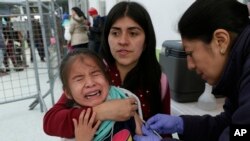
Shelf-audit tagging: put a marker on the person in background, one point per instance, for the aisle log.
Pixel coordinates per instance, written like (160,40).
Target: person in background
(18,47)
(2,49)
(10,35)
(129,51)
(86,83)
(95,31)
(216,38)
(78,29)
(66,26)
(38,40)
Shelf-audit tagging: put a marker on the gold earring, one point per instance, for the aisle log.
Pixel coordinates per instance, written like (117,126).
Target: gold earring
(222,51)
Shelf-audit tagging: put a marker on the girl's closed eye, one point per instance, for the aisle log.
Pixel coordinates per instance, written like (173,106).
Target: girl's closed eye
(96,73)
(78,78)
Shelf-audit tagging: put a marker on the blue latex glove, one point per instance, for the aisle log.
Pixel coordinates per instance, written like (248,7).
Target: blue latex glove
(166,124)
(148,135)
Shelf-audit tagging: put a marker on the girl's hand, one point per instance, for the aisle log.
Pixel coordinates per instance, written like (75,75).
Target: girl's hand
(86,127)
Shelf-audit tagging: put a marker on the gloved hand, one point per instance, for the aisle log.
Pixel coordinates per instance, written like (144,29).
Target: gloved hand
(166,124)
(148,135)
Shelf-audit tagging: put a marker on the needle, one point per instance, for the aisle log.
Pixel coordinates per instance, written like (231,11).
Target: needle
(157,134)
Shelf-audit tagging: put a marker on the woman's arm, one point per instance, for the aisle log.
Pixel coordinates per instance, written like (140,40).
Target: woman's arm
(58,120)
(117,110)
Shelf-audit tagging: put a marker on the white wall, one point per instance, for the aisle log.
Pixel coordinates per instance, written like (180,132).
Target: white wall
(165,15)
(94,3)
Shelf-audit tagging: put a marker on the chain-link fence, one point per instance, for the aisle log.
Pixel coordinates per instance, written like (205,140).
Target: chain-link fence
(33,39)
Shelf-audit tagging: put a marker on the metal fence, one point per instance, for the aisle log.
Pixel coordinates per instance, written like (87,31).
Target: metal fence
(33,50)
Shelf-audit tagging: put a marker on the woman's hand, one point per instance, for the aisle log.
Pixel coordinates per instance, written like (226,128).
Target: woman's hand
(117,110)
(86,127)
(166,124)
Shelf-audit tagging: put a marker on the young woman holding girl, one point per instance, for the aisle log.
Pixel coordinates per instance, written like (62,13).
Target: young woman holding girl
(129,51)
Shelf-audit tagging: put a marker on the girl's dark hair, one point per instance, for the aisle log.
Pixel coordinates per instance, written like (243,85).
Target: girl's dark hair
(71,57)
(203,17)
(79,12)
(147,73)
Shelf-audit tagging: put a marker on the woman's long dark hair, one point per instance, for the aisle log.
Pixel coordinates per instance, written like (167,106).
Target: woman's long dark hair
(147,73)
(79,12)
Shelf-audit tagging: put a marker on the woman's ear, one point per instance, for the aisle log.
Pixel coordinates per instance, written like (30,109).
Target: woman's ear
(222,39)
